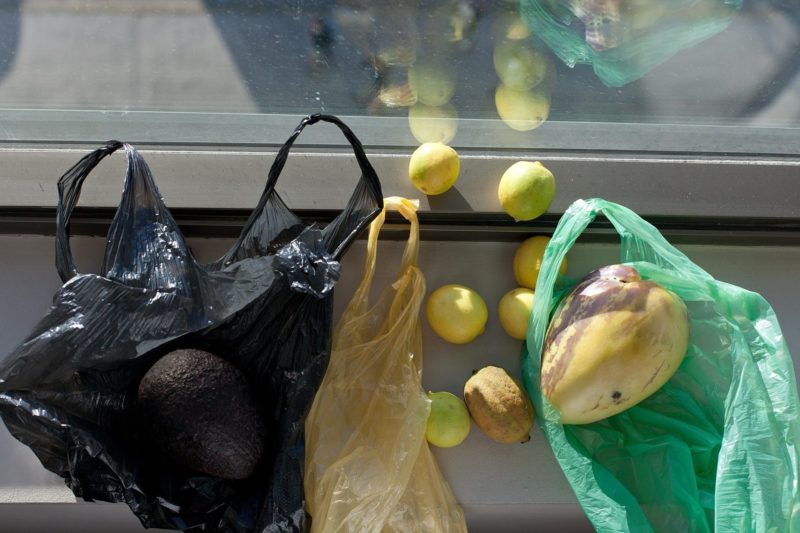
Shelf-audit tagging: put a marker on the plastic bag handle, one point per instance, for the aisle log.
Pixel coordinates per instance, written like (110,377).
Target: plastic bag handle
(283,154)
(632,229)
(69,192)
(637,235)
(408,210)
(369,183)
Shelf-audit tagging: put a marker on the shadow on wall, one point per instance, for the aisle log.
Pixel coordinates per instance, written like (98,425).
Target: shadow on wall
(9,34)
(268,41)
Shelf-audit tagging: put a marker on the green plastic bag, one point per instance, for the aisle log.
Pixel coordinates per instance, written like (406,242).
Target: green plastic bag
(623,40)
(715,449)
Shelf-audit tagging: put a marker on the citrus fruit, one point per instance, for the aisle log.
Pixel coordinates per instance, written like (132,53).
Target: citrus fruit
(433,123)
(456,313)
(509,26)
(528,261)
(519,65)
(514,310)
(433,168)
(526,190)
(522,110)
(449,422)
(434,83)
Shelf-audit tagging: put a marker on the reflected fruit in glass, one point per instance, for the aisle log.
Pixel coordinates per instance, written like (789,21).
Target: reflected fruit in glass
(526,190)
(433,168)
(434,83)
(522,110)
(433,123)
(395,88)
(519,65)
(510,26)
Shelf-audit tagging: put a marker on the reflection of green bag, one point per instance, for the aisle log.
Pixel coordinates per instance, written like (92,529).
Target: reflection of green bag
(623,40)
(715,449)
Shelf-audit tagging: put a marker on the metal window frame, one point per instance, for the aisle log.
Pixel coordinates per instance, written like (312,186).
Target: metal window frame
(64,127)
(703,198)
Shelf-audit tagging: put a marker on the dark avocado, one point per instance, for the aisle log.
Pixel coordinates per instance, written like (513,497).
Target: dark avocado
(200,410)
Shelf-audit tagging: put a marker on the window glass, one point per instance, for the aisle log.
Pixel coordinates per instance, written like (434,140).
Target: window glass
(679,76)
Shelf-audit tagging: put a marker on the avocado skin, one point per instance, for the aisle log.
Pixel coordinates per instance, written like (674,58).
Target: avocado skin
(200,411)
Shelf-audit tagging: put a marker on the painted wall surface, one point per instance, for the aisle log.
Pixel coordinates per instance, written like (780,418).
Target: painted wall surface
(496,484)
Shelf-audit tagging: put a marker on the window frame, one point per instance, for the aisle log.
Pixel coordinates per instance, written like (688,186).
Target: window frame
(706,199)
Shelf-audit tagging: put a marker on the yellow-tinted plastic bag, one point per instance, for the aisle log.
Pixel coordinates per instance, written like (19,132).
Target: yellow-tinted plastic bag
(368,465)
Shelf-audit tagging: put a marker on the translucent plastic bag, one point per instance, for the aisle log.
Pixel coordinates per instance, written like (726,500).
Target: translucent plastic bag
(624,39)
(368,465)
(69,391)
(715,449)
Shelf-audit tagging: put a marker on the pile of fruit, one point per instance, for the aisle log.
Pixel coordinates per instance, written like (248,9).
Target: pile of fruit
(492,398)
(614,340)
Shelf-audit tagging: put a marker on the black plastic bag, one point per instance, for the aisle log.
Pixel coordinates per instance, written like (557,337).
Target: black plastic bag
(69,390)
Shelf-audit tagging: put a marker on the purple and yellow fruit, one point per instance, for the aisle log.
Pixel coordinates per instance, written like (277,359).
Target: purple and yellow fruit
(612,342)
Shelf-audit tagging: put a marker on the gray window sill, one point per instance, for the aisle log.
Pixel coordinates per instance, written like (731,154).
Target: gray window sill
(757,200)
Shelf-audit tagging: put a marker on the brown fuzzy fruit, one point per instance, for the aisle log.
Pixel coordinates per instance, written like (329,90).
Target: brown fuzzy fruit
(499,405)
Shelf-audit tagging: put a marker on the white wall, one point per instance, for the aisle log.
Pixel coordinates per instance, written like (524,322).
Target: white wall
(509,485)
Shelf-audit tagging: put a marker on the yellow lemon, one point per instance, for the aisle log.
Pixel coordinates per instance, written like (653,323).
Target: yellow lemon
(526,190)
(514,310)
(433,168)
(528,261)
(456,313)
(434,83)
(517,30)
(449,422)
(509,26)
(522,110)
(519,65)
(433,123)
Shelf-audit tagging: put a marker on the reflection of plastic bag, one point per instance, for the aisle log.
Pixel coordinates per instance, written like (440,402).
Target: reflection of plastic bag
(623,40)
(368,466)
(715,449)
(69,390)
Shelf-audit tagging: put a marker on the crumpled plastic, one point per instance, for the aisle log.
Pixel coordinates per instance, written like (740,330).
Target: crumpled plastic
(69,390)
(368,465)
(715,449)
(623,39)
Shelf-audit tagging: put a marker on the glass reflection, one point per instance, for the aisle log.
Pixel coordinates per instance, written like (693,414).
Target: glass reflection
(445,67)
